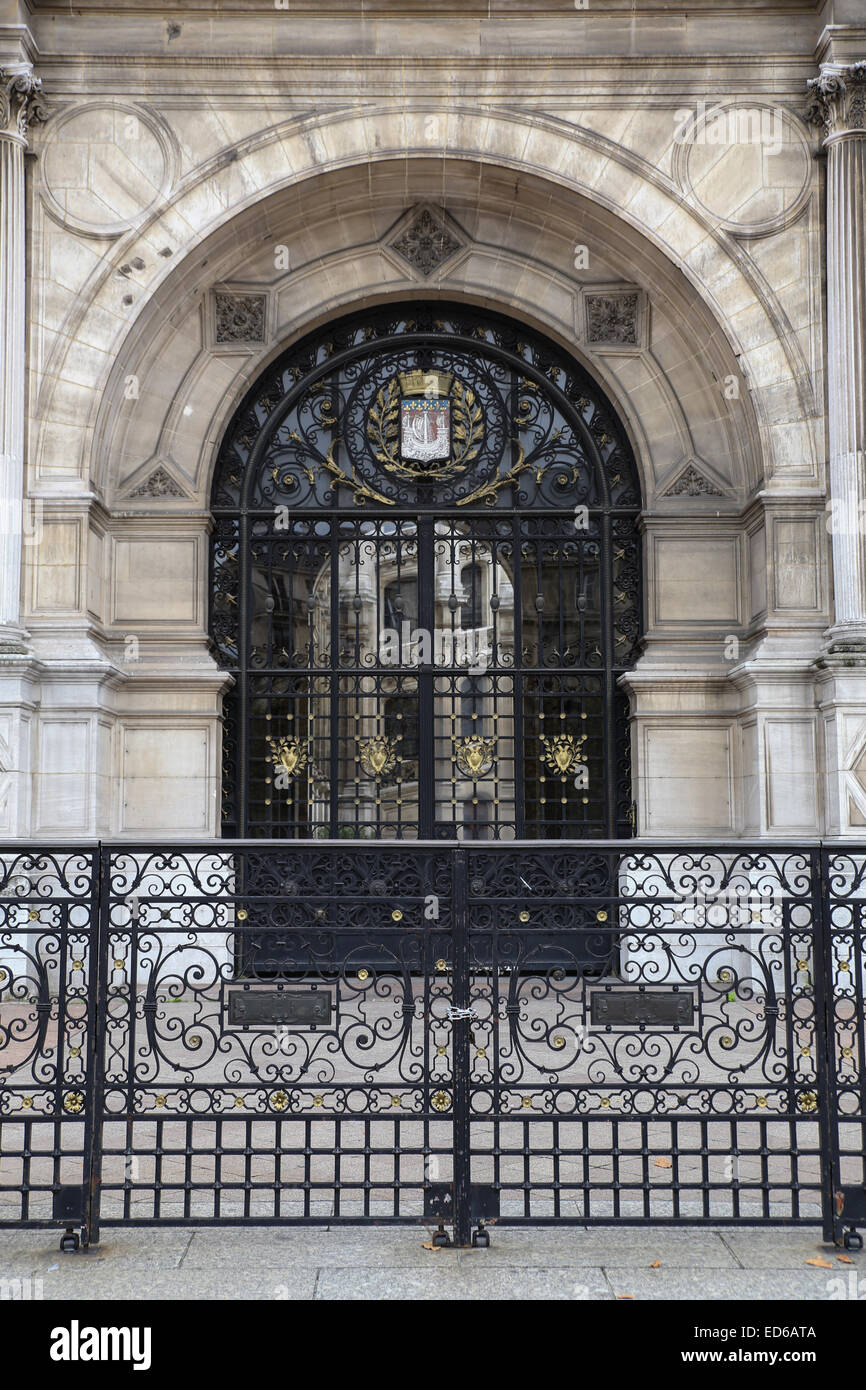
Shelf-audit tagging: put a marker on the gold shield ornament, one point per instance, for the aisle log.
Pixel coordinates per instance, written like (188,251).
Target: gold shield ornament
(474,755)
(563,753)
(288,755)
(377,756)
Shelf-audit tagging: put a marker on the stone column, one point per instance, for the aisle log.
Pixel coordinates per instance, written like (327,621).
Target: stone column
(838,104)
(20,105)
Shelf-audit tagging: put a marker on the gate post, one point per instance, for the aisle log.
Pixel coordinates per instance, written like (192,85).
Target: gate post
(461,1054)
(99,1005)
(825,1041)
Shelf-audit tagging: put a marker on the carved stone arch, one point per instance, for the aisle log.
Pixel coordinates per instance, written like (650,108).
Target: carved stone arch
(566,159)
(661,402)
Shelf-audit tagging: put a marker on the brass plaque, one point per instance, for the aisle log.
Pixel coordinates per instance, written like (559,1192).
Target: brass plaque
(261,1008)
(629,1008)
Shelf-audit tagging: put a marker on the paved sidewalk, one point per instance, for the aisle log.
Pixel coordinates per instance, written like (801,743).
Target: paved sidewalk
(392,1263)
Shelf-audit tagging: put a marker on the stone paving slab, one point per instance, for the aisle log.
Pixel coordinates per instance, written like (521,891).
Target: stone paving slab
(454,1280)
(785,1249)
(391,1263)
(146,1282)
(320,1248)
(742,1285)
(631,1248)
(38,1250)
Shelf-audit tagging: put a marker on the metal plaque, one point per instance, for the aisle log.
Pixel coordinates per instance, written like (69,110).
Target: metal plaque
(624,1008)
(257,1008)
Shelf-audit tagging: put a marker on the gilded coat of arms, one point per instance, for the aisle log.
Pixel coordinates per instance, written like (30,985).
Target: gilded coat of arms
(425,429)
(425,425)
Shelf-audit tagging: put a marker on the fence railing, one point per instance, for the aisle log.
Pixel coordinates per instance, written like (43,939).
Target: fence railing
(456,1033)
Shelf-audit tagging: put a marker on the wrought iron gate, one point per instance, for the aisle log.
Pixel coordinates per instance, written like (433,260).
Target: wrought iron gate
(425,585)
(432,1033)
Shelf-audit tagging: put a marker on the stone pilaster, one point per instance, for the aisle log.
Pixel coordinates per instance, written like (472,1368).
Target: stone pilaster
(20,106)
(838,104)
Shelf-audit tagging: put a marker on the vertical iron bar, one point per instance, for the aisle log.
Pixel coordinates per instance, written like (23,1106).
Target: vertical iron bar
(460,1047)
(98,1004)
(517,705)
(242,813)
(825,1038)
(334,701)
(609,680)
(426,703)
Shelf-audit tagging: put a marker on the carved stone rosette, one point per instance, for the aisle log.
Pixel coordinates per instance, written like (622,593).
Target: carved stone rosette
(612,318)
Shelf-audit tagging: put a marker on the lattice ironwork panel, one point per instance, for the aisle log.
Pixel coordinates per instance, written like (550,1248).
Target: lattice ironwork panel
(278,1046)
(646,1044)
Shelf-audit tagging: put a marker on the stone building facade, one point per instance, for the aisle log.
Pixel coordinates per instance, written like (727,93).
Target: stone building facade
(671,194)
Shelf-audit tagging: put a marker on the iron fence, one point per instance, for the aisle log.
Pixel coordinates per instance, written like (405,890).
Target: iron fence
(458,1034)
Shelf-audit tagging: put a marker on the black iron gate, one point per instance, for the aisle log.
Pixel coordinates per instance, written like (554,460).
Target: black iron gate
(425,584)
(455,1034)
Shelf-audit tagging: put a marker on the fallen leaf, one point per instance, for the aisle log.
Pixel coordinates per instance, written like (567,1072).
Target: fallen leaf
(656,1264)
(622,1297)
(428,1245)
(844,1260)
(663,1163)
(819,1263)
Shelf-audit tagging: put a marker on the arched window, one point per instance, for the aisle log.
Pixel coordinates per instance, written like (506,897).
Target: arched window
(408,500)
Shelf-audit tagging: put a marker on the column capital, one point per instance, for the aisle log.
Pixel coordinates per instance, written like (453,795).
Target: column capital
(837,99)
(21,102)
